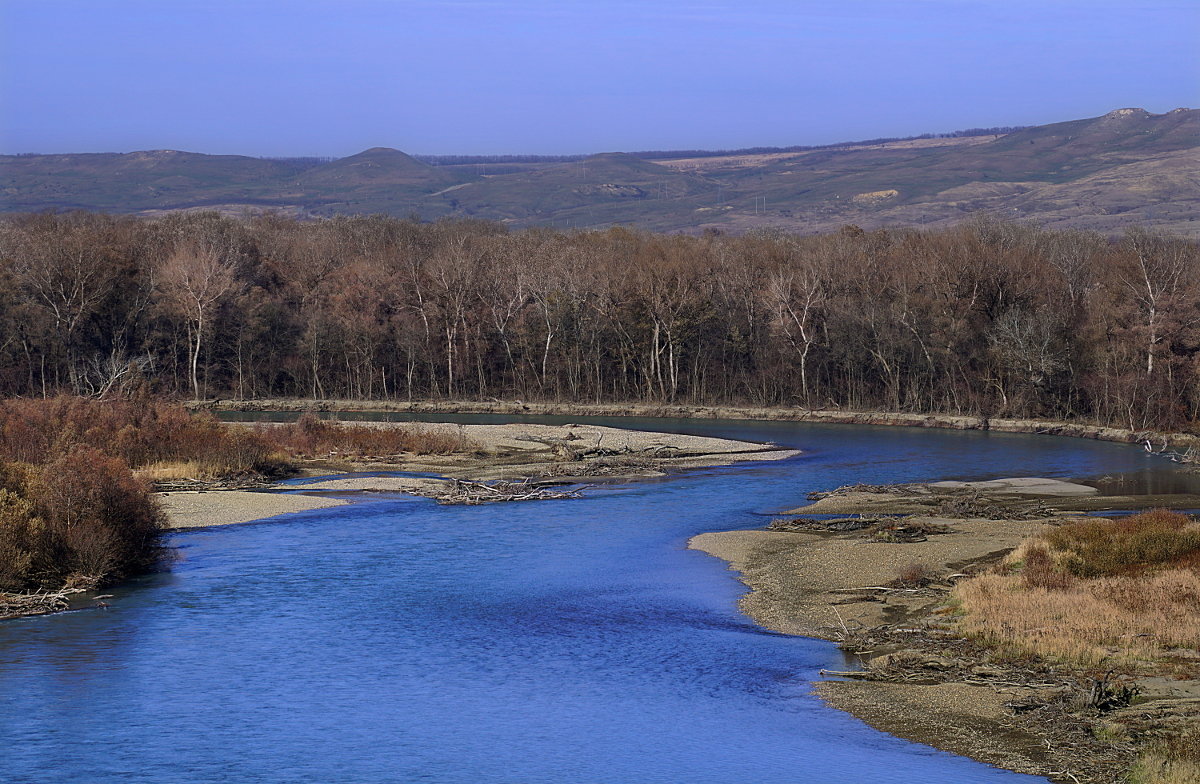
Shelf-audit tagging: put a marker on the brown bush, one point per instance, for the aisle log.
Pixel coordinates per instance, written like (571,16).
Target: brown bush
(913,575)
(101,522)
(1107,547)
(18,534)
(82,519)
(313,437)
(140,431)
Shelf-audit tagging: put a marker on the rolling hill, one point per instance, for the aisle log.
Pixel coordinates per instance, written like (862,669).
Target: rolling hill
(1104,173)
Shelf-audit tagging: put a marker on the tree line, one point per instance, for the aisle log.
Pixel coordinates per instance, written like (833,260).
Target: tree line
(986,318)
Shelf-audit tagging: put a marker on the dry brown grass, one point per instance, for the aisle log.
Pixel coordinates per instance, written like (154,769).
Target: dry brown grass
(1094,621)
(1094,548)
(174,471)
(313,437)
(1154,768)
(1172,760)
(1047,600)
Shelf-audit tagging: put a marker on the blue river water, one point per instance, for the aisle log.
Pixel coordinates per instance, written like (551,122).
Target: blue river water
(394,640)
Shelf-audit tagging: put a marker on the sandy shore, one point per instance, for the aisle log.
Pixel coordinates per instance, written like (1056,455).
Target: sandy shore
(798,580)
(1174,441)
(922,681)
(542,454)
(198,509)
(803,583)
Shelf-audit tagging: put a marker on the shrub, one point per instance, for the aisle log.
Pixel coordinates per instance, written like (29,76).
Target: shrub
(81,520)
(913,575)
(1095,548)
(73,513)
(141,432)
(19,529)
(101,523)
(313,437)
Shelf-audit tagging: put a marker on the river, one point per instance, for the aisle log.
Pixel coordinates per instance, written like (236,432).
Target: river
(394,640)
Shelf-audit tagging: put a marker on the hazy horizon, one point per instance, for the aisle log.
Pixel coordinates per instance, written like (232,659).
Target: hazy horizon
(478,77)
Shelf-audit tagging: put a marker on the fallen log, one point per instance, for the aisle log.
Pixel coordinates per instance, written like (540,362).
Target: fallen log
(861,675)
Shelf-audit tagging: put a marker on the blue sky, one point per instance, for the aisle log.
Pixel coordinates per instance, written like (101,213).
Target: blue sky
(326,77)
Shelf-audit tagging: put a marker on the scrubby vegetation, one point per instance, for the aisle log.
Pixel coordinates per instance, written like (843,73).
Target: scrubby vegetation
(313,437)
(1096,548)
(1103,597)
(146,434)
(75,503)
(80,519)
(164,441)
(1094,592)
(1171,760)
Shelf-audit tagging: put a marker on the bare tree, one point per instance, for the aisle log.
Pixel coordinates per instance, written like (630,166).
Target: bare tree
(195,280)
(60,265)
(797,290)
(1154,274)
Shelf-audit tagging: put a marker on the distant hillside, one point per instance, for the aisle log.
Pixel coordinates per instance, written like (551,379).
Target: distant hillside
(1104,173)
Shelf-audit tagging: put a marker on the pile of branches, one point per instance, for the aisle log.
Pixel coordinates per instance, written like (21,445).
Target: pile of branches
(817,495)
(567,449)
(464,492)
(601,467)
(15,605)
(971,506)
(229,483)
(838,524)
(905,531)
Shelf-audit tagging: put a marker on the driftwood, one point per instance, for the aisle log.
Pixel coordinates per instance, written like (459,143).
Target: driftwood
(860,675)
(877,588)
(15,605)
(464,492)
(570,449)
(1189,456)
(837,524)
(902,489)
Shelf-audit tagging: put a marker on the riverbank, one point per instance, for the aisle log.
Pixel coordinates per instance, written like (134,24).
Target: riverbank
(536,458)
(883,590)
(1158,439)
(200,509)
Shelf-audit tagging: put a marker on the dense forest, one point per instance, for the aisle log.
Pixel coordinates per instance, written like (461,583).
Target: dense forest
(986,318)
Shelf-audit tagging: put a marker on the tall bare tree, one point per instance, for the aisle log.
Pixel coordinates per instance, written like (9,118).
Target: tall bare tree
(195,280)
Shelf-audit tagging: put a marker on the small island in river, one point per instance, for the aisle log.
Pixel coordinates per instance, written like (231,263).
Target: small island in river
(501,463)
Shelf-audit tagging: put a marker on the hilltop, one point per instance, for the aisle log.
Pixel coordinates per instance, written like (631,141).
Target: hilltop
(1104,173)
